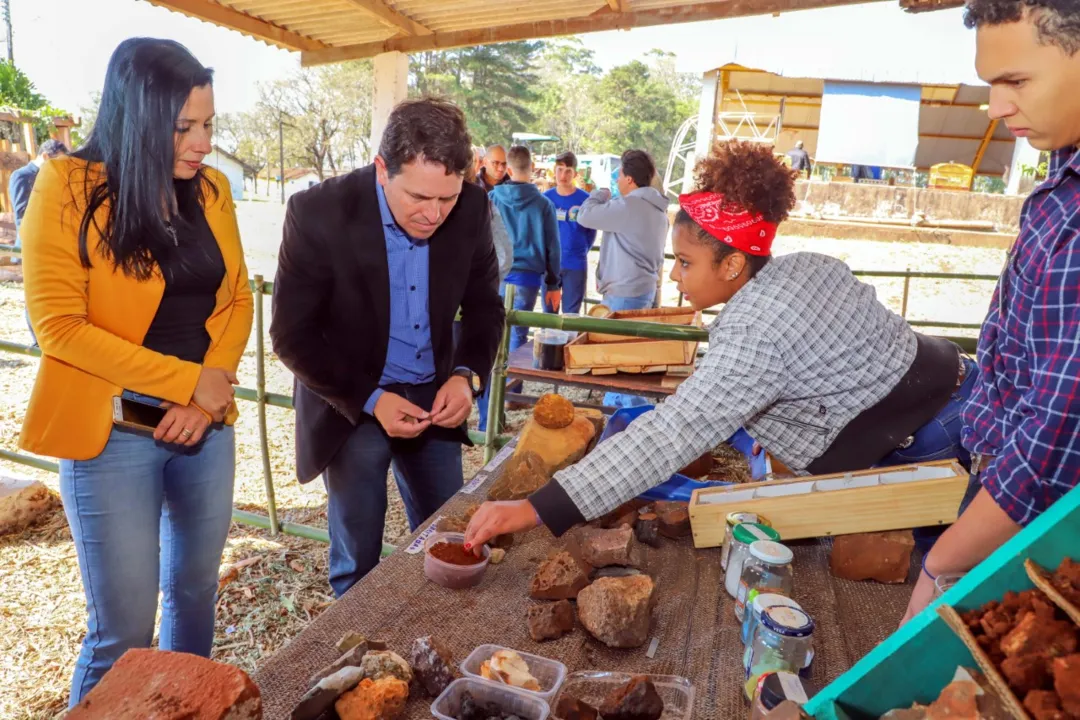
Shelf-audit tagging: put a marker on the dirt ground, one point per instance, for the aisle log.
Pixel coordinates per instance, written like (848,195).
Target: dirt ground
(273,586)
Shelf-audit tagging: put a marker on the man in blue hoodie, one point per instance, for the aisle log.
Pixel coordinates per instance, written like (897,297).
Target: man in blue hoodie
(533,226)
(576,241)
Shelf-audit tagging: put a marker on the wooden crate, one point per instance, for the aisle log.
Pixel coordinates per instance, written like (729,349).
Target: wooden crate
(663,316)
(893,498)
(583,355)
(919,659)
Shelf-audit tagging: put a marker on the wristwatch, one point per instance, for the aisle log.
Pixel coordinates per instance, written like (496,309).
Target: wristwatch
(472,378)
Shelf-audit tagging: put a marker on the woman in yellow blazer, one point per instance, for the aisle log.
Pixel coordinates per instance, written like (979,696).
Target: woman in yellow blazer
(136,287)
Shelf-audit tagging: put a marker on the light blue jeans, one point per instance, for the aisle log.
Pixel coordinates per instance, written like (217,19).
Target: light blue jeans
(145,515)
(615,304)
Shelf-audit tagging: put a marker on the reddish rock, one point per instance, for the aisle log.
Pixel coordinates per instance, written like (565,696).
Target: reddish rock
(1025,673)
(523,474)
(647,529)
(601,548)
(550,621)
(1067,580)
(570,708)
(1044,705)
(617,610)
(637,700)
(625,514)
(1067,683)
(560,578)
(382,699)
(885,557)
(159,684)
(1033,635)
(432,665)
(674,519)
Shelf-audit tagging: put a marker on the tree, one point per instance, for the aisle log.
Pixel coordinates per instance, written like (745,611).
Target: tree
(566,101)
(16,89)
(87,117)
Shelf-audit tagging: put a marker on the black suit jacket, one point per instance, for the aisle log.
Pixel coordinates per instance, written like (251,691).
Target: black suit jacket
(331,306)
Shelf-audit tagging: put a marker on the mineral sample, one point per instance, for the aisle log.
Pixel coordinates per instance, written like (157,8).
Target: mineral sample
(523,474)
(320,698)
(883,556)
(570,708)
(382,699)
(647,529)
(617,611)
(601,548)
(509,668)
(553,412)
(432,664)
(550,621)
(1067,683)
(383,663)
(674,518)
(637,700)
(560,578)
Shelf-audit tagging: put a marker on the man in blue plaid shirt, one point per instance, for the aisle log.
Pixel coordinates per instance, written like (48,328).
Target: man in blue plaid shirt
(1022,423)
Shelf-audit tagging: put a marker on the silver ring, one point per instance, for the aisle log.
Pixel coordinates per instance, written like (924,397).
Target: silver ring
(186,433)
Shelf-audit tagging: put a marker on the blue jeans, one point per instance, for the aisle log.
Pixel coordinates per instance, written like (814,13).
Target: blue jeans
(427,471)
(615,303)
(939,439)
(145,515)
(573,292)
(524,299)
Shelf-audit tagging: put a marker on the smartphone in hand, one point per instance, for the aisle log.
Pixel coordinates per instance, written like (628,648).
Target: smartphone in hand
(136,414)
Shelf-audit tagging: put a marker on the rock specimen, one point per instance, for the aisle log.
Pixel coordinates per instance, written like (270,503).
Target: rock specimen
(1025,673)
(674,519)
(1034,635)
(497,555)
(557,448)
(596,417)
(383,663)
(522,475)
(625,514)
(553,412)
(550,621)
(1044,705)
(885,556)
(699,468)
(559,578)
(457,523)
(155,683)
(637,700)
(601,548)
(617,611)
(352,639)
(1066,579)
(473,709)
(22,502)
(382,699)
(321,698)
(570,708)
(432,665)
(353,657)
(647,529)
(509,668)
(1067,683)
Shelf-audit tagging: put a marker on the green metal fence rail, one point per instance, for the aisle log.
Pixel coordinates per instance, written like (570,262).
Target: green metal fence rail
(491,440)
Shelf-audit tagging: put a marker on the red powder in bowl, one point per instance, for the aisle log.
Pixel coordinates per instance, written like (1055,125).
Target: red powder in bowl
(454,554)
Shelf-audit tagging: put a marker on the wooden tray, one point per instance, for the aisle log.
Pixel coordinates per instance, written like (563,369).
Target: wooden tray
(632,355)
(662,316)
(893,498)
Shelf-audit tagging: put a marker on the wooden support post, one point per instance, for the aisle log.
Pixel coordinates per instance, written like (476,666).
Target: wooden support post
(391,87)
(985,143)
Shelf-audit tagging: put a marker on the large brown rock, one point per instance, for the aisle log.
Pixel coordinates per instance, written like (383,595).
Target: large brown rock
(1067,682)
(601,548)
(673,519)
(550,621)
(22,502)
(557,448)
(637,700)
(382,699)
(559,578)
(432,665)
(884,556)
(647,529)
(159,684)
(523,474)
(617,611)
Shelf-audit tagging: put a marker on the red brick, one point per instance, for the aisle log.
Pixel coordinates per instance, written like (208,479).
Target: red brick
(885,557)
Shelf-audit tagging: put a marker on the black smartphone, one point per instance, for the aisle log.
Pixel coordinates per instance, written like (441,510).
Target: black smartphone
(136,414)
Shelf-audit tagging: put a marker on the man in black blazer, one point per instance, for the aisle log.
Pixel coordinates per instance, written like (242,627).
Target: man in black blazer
(372,270)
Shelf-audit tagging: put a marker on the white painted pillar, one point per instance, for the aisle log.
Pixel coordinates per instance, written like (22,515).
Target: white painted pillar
(391,87)
(1023,154)
(710,88)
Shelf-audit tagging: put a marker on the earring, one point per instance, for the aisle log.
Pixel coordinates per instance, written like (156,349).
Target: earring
(736,275)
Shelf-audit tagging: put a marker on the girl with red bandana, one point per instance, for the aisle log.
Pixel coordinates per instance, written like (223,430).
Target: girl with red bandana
(802,354)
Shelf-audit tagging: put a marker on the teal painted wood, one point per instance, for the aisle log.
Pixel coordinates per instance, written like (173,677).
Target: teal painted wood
(919,659)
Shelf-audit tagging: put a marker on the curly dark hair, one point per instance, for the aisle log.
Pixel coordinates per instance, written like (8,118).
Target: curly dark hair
(1057,21)
(749,177)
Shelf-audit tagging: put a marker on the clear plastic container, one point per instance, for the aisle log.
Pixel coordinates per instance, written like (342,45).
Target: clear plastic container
(455,577)
(734,519)
(549,673)
(548,349)
(526,706)
(741,537)
(782,642)
(767,569)
(593,687)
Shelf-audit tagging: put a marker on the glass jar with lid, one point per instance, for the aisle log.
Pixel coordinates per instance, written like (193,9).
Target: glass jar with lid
(767,568)
(741,537)
(734,519)
(781,643)
(755,607)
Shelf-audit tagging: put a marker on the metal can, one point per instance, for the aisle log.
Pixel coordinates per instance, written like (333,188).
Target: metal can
(733,519)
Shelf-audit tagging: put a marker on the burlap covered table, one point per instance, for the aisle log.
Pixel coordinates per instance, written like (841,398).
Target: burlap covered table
(694,619)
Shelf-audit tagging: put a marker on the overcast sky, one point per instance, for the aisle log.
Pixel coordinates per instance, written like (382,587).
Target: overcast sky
(64,45)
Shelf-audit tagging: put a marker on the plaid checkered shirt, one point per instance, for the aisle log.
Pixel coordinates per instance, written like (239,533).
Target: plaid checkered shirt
(799,351)
(1025,410)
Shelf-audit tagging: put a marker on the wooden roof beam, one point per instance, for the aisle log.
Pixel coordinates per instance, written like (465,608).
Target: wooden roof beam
(570,26)
(212,12)
(619,5)
(379,10)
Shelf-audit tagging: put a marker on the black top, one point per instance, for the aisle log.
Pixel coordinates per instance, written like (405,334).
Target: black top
(193,273)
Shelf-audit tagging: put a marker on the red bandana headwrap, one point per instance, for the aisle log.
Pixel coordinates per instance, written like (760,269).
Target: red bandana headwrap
(728,223)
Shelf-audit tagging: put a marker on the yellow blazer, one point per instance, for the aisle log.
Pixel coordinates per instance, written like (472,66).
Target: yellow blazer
(90,323)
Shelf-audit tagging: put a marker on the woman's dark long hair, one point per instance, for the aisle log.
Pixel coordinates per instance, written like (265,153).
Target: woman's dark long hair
(146,85)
